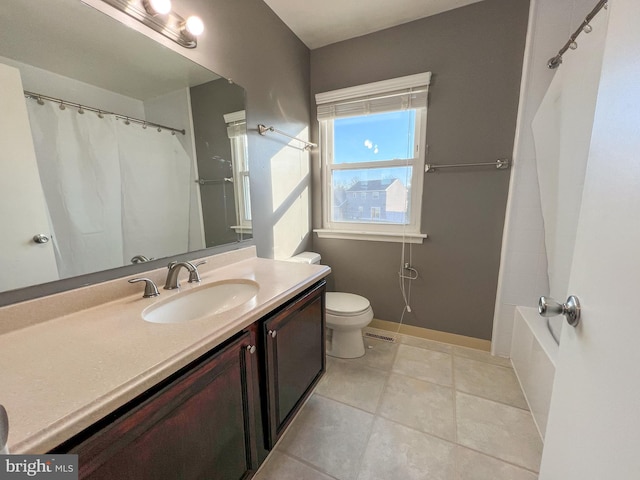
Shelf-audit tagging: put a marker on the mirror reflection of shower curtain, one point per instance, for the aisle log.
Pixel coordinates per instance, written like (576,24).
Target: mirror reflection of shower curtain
(78,160)
(112,190)
(562,133)
(155,192)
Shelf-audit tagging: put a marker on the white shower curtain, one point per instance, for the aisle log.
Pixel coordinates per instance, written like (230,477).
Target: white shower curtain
(155,173)
(112,190)
(562,133)
(78,162)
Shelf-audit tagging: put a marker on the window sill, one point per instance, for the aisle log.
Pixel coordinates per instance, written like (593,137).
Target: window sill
(371,236)
(242,229)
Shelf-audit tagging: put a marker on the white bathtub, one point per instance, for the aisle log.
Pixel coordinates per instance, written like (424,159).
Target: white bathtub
(533,354)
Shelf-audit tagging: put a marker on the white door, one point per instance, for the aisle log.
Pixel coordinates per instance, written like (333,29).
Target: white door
(594,422)
(23,212)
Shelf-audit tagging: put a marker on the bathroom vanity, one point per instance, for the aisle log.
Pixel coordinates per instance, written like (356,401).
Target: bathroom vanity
(203,399)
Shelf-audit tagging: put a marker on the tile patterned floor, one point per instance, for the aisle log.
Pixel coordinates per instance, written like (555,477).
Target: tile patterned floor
(414,409)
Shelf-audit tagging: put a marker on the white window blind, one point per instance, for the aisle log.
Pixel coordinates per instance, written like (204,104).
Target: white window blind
(378,97)
(236,124)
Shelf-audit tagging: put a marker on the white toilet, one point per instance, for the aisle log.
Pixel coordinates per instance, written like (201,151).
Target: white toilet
(346,314)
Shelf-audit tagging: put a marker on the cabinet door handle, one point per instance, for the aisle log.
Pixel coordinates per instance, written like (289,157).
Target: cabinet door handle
(273,333)
(251,349)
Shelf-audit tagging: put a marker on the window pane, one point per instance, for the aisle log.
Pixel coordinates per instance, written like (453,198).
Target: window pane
(371,195)
(370,138)
(247,198)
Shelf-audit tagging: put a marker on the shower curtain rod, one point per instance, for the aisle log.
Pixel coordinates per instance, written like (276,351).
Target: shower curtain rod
(554,62)
(81,109)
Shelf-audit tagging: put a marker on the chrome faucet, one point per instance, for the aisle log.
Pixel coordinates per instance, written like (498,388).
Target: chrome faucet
(174,268)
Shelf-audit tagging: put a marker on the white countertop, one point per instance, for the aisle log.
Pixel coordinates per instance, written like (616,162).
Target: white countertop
(60,376)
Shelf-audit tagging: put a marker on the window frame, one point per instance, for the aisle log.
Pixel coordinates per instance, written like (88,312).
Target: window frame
(240,165)
(410,232)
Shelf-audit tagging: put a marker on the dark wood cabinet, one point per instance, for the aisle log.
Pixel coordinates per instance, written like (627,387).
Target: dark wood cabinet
(294,346)
(217,418)
(200,426)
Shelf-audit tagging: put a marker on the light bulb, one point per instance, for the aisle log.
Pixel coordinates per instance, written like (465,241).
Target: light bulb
(573,45)
(159,7)
(587,28)
(194,25)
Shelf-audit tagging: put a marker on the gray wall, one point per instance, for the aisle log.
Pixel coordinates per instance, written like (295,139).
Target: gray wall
(209,103)
(247,42)
(475,54)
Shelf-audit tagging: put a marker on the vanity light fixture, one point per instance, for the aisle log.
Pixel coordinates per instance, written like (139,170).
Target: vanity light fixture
(158,15)
(157,7)
(194,25)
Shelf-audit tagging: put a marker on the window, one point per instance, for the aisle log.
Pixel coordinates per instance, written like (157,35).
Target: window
(237,133)
(372,147)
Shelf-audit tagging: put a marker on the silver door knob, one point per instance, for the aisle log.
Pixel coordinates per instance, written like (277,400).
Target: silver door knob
(548,307)
(273,333)
(41,238)
(251,349)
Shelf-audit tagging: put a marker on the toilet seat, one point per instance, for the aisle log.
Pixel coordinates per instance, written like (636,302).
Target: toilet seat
(346,304)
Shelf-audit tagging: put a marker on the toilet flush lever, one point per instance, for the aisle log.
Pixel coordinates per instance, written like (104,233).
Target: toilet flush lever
(548,307)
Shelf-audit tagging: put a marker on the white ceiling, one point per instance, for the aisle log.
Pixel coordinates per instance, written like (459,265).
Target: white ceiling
(322,22)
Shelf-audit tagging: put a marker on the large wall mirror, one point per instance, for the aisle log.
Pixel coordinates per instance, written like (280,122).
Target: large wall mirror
(116,150)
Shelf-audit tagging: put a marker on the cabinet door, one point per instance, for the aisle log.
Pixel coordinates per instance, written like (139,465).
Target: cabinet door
(201,426)
(295,358)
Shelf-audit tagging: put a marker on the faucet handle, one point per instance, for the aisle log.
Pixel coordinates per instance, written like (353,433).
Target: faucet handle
(150,289)
(194,275)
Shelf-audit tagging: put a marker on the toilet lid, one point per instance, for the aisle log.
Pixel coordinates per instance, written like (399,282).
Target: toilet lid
(339,303)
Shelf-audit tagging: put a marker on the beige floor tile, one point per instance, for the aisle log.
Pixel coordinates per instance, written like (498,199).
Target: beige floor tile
(396,452)
(377,354)
(280,466)
(423,364)
(489,381)
(498,430)
(481,356)
(352,384)
(330,436)
(472,465)
(418,404)
(424,343)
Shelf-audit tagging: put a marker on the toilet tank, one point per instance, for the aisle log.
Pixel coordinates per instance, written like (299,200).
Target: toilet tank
(305,257)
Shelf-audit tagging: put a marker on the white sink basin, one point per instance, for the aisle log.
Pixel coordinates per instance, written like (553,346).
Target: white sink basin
(203,301)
